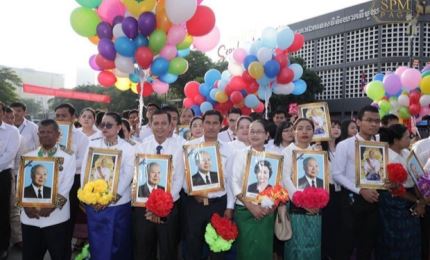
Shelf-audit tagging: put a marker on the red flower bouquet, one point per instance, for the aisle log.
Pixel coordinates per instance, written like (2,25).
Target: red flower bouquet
(311,198)
(397,175)
(160,203)
(224,227)
(277,194)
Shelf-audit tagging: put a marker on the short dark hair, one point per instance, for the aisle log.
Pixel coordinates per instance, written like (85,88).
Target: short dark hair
(126,124)
(89,109)
(69,107)
(99,117)
(170,109)
(34,169)
(235,110)
(50,122)
(389,134)
(280,111)
(241,118)
(18,104)
(264,123)
(261,163)
(365,109)
(278,136)
(152,105)
(303,119)
(125,113)
(118,121)
(8,109)
(213,113)
(344,129)
(194,119)
(133,111)
(162,112)
(388,117)
(3,106)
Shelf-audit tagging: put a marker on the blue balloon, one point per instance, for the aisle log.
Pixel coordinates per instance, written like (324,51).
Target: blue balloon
(255,46)
(269,37)
(285,38)
(211,100)
(378,77)
(244,93)
(299,87)
(212,93)
(134,77)
(204,89)
(206,106)
(271,68)
(184,53)
(169,78)
(297,69)
(264,93)
(159,66)
(251,101)
(141,40)
(226,75)
(264,81)
(222,84)
(211,76)
(196,110)
(248,60)
(125,47)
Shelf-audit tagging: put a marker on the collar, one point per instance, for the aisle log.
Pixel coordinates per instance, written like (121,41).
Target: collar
(204,176)
(295,147)
(2,125)
(47,153)
(310,180)
(360,138)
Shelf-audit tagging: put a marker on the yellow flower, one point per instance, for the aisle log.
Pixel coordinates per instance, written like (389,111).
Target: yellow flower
(100,185)
(105,199)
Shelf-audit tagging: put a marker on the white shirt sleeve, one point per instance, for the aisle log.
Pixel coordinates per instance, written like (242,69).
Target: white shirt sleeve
(238,170)
(80,142)
(67,176)
(126,171)
(178,173)
(11,142)
(231,197)
(340,167)
(287,182)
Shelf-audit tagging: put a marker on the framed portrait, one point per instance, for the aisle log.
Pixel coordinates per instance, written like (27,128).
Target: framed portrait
(37,181)
(184,131)
(65,140)
(203,168)
(263,170)
(371,164)
(103,164)
(417,173)
(310,169)
(151,171)
(319,114)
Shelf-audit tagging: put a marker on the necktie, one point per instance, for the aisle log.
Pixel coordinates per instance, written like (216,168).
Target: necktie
(39,193)
(313,183)
(159,149)
(207,179)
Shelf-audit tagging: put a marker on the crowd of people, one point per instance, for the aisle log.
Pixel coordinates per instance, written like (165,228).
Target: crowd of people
(358,222)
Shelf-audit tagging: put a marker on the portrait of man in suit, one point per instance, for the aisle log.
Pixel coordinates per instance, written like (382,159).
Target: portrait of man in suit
(204,175)
(153,172)
(310,179)
(37,189)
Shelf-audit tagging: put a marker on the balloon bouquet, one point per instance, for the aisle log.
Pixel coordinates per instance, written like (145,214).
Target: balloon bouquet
(253,74)
(144,41)
(405,92)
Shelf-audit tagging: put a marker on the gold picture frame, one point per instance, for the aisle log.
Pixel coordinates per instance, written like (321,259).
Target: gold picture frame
(142,165)
(416,171)
(320,115)
(209,152)
(103,164)
(30,186)
(299,174)
(65,139)
(371,160)
(265,163)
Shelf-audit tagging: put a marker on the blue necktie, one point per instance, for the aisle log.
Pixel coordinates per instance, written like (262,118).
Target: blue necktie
(159,149)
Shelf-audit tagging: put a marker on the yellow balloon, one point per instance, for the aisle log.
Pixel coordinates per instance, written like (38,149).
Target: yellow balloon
(221,97)
(133,88)
(123,84)
(94,39)
(256,70)
(136,8)
(425,85)
(186,43)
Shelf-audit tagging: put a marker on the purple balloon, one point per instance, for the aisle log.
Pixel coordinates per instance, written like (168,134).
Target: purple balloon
(93,63)
(146,23)
(104,30)
(392,84)
(107,49)
(129,27)
(118,19)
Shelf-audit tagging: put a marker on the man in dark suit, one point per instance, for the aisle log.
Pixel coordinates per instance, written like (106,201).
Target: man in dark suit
(311,168)
(153,175)
(204,176)
(36,190)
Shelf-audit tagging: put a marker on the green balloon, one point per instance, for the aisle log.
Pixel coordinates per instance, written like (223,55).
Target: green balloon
(84,21)
(178,66)
(89,3)
(375,90)
(382,113)
(425,74)
(157,40)
(384,105)
(404,113)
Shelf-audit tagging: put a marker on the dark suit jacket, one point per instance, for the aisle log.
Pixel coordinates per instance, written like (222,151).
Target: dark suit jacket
(253,188)
(31,194)
(144,190)
(303,183)
(198,180)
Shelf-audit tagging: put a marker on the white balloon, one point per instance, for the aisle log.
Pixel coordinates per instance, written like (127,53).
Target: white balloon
(180,11)
(264,55)
(403,100)
(394,104)
(283,89)
(425,100)
(124,64)
(120,74)
(235,69)
(117,31)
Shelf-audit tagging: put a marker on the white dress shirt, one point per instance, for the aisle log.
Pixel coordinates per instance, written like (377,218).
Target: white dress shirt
(237,145)
(238,170)
(287,180)
(29,138)
(274,148)
(422,150)
(79,143)
(126,169)
(9,145)
(170,147)
(226,136)
(94,136)
(145,131)
(64,184)
(394,157)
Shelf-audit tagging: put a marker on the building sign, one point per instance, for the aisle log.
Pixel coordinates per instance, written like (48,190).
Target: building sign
(394,11)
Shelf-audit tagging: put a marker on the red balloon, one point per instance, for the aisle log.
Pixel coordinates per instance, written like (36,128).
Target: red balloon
(253,87)
(198,99)
(286,75)
(245,110)
(259,108)
(147,89)
(144,57)
(228,90)
(188,102)
(236,97)
(202,22)
(414,98)
(246,77)
(414,109)
(298,42)
(106,78)
(237,83)
(282,59)
(191,89)
(104,63)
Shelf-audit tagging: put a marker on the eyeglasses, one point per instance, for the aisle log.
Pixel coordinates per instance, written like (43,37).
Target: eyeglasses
(106,125)
(370,120)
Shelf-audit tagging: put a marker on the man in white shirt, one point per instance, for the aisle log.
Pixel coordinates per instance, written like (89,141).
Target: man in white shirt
(8,116)
(229,135)
(147,229)
(174,115)
(359,206)
(146,130)
(279,116)
(45,229)
(9,144)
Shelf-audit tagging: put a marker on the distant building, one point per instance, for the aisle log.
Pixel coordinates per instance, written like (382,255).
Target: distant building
(85,77)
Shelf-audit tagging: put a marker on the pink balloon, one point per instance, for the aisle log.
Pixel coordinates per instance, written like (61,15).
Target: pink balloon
(168,52)
(176,34)
(400,70)
(109,9)
(199,2)
(239,55)
(410,79)
(160,87)
(424,111)
(207,42)
(93,63)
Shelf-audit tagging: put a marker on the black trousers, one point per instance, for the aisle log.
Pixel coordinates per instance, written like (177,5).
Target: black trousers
(74,205)
(358,227)
(5,190)
(147,235)
(197,217)
(36,241)
(425,234)
(330,224)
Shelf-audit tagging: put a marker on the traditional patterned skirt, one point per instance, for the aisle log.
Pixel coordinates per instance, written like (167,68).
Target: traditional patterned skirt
(255,240)
(109,233)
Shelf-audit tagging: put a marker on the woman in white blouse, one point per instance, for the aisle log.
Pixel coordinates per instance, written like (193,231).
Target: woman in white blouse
(242,133)
(87,120)
(284,137)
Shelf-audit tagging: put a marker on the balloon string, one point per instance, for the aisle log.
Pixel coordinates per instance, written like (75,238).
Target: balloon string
(141,104)
(266,105)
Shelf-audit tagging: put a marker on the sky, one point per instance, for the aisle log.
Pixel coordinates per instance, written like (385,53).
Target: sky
(38,35)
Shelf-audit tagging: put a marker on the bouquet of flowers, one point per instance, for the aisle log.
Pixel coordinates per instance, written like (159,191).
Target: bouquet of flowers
(220,233)
(424,186)
(311,198)
(397,175)
(160,203)
(272,196)
(95,192)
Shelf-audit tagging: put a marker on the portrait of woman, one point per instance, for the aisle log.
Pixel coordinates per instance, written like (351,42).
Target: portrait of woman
(317,117)
(103,169)
(263,171)
(372,164)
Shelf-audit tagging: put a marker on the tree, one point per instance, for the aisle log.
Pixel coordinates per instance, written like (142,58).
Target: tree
(8,83)
(33,107)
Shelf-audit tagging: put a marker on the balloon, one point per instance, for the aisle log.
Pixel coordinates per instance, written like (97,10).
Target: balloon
(221,97)
(252,88)
(137,7)
(198,99)
(264,93)
(414,109)
(179,11)
(183,53)
(178,66)
(236,97)
(117,31)
(282,59)
(239,55)
(207,42)
(89,3)
(248,60)
(404,113)
(425,85)
(375,90)
(196,110)
(168,78)
(425,73)
(399,71)
(286,75)
(426,68)
(425,100)
(186,43)
(394,103)
(255,46)
(237,83)
(93,63)
(125,47)
(410,79)
(299,87)
(160,87)
(403,100)
(259,108)
(251,101)
(168,52)
(104,63)
(379,77)
(104,30)
(384,105)
(163,23)
(109,9)
(84,21)
(414,98)
(235,69)
(202,22)
(264,55)
(176,34)
(144,57)
(204,89)
(297,70)
(106,78)
(269,37)
(271,68)
(392,84)
(205,106)
(264,81)
(118,19)
(160,66)
(124,64)
(157,40)
(298,42)
(188,102)
(106,48)
(129,27)
(285,89)
(285,38)
(191,89)
(256,70)
(140,40)
(94,39)
(211,76)
(123,84)
(146,23)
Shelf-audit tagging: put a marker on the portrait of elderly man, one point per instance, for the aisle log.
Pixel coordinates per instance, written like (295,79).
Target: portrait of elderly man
(153,171)
(310,179)
(37,188)
(204,175)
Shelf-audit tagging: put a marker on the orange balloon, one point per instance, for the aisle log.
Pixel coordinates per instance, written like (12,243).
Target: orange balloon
(94,39)
(163,22)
